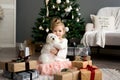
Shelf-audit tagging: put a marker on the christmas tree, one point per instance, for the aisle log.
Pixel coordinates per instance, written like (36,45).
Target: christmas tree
(67,10)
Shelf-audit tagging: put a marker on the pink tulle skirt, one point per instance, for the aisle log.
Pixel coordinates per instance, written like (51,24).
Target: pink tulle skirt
(52,68)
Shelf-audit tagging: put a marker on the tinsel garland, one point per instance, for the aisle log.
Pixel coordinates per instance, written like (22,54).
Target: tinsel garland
(47,1)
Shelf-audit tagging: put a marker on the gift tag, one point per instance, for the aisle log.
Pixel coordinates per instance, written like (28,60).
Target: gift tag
(27,53)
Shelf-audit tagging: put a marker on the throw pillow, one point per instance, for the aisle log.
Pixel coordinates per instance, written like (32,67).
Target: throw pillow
(103,22)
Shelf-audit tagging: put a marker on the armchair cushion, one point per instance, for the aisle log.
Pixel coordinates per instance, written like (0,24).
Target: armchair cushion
(101,37)
(103,22)
(89,27)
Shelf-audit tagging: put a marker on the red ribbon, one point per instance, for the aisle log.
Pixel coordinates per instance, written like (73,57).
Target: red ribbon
(92,69)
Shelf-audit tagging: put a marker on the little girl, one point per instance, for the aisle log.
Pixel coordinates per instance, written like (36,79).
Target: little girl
(58,28)
(61,62)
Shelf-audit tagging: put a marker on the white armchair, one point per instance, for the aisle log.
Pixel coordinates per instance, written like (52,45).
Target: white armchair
(108,32)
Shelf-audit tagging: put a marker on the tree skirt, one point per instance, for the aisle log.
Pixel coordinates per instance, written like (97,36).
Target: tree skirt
(108,74)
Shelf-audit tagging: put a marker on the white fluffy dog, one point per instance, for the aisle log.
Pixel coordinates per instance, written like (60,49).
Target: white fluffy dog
(46,56)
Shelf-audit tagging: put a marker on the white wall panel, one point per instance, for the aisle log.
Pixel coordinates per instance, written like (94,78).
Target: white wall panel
(8,24)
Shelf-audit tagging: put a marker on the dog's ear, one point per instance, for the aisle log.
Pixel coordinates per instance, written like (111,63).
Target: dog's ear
(48,38)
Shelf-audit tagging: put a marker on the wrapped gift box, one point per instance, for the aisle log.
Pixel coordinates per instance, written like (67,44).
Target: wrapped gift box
(82,58)
(18,66)
(21,66)
(8,74)
(69,75)
(81,64)
(86,74)
(86,58)
(3,65)
(28,75)
(23,75)
(34,73)
(32,64)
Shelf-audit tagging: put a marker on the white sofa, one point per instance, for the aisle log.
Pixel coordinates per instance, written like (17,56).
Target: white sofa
(108,37)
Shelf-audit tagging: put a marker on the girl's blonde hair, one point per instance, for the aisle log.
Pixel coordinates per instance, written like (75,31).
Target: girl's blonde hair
(56,22)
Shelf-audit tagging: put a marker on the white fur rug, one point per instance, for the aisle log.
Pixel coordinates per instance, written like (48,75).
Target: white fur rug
(108,74)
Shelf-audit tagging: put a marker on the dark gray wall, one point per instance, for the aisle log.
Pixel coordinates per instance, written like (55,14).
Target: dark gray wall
(27,13)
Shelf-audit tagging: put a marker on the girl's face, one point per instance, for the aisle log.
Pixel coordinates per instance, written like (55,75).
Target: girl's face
(59,31)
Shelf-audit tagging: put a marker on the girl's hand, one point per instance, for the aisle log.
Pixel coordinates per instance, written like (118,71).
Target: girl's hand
(54,51)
